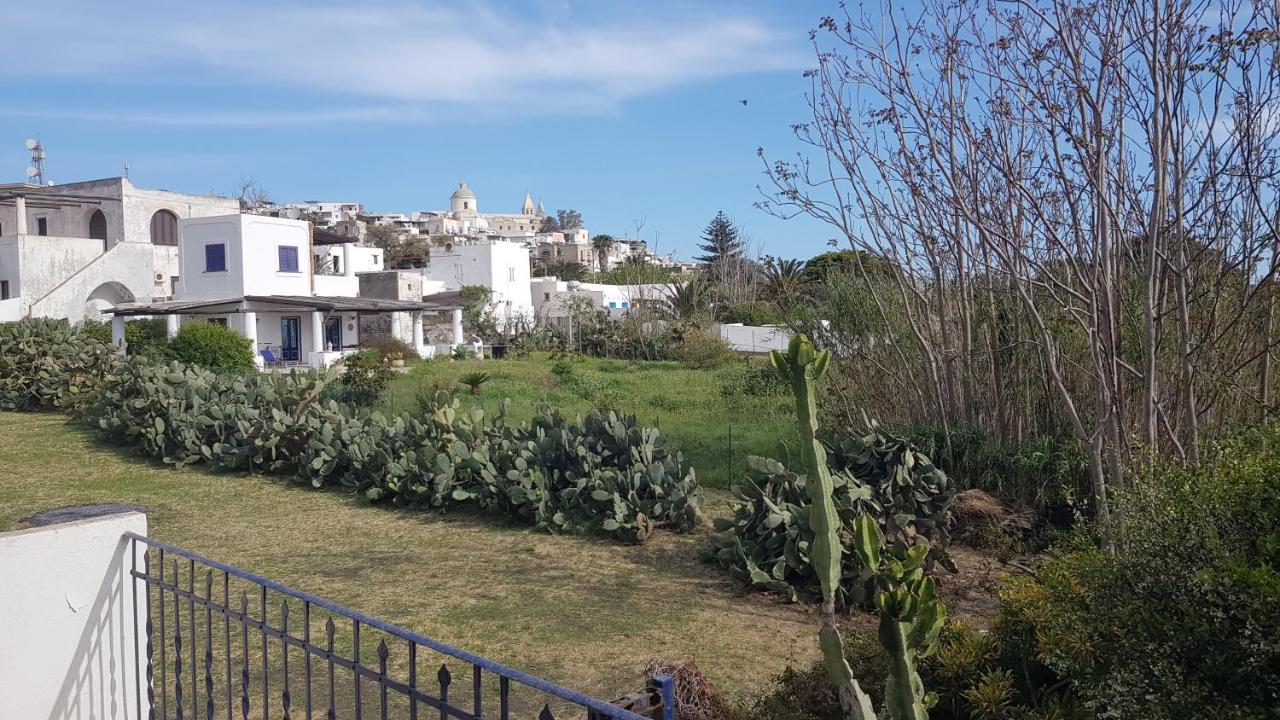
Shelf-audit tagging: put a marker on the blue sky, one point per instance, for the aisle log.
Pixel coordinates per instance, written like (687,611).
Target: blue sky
(622,110)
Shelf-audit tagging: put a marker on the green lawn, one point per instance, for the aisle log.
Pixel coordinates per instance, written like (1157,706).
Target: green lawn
(715,433)
(581,611)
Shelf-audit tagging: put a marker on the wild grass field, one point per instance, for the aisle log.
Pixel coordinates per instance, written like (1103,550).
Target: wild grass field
(710,415)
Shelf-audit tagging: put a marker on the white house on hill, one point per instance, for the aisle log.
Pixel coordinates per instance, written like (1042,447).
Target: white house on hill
(254,274)
(73,250)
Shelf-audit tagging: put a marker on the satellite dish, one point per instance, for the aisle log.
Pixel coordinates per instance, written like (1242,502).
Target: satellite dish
(32,143)
(32,172)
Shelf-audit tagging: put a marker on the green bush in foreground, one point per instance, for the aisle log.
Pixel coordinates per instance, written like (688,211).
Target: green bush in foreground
(604,473)
(212,346)
(48,363)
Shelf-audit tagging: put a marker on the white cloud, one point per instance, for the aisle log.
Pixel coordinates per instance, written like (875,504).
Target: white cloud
(407,60)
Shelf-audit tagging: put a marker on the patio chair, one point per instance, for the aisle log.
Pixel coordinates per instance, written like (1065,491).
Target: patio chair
(269,358)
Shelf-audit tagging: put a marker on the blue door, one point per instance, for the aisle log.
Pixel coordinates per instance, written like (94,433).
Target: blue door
(290,338)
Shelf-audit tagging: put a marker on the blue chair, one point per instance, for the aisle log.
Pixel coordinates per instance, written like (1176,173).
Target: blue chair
(268,357)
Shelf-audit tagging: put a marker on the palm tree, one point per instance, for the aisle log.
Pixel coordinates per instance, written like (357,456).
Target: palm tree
(688,299)
(602,244)
(783,278)
(561,269)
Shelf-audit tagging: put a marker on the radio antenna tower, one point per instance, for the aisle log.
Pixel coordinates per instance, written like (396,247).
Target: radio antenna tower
(36,171)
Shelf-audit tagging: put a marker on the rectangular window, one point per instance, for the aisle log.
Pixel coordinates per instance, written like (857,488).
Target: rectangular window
(218,321)
(511,274)
(288,258)
(215,257)
(4,289)
(42,226)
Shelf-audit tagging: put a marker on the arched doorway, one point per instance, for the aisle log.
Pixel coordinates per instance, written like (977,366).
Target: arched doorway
(105,297)
(164,228)
(98,227)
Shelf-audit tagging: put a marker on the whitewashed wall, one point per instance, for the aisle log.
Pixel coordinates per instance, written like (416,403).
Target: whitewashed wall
(66,608)
(755,338)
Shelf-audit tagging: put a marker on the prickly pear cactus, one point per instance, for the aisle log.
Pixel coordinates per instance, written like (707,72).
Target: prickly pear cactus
(801,367)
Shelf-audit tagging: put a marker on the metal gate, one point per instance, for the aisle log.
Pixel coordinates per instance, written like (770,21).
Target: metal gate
(224,643)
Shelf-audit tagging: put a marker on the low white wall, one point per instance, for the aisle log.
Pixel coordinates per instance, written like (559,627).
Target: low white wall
(67,612)
(755,338)
(11,310)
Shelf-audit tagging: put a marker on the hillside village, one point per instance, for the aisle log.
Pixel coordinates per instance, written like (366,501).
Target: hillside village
(108,250)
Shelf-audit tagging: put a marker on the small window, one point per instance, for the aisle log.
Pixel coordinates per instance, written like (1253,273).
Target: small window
(4,289)
(288,258)
(613,304)
(624,304)
(218,321)
(546,296)
(511,274)
(42,226)
(215,257)
(466,205)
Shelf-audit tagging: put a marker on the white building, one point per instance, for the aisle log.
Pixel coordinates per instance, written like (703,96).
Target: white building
(254,274)
(72,250)
(500,265)
(554,299)
(325,215)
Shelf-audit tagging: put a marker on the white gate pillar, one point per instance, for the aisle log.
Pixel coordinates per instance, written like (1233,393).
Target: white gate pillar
(117,331)
(171,323)
(457,327)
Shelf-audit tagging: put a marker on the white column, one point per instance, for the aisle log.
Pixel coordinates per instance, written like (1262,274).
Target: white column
(171,323)
(348,269)
(249,327)
(20,203)
(117,331)
(419,344)
(317,332)
(397,320)
(457,326)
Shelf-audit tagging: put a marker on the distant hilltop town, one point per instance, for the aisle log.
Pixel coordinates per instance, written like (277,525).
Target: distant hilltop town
(546,236)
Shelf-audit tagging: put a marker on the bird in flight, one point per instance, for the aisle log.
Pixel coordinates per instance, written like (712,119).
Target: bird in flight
(744,102)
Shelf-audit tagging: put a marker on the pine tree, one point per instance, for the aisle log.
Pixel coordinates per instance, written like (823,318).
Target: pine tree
(720,241)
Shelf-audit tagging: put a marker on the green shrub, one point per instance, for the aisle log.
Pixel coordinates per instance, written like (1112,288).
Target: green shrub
(750,379)
(1182,621)
(147,337)
(967,671)
(98,330)
(750,313)
(365,376)
(48,363)
(766,540)
(703,349)
(390,348)
(212,346)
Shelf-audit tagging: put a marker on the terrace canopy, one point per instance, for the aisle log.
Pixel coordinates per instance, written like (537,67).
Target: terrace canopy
(319,307)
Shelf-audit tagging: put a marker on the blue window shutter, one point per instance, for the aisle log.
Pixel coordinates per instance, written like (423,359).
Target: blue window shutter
(288,258)
(215,258)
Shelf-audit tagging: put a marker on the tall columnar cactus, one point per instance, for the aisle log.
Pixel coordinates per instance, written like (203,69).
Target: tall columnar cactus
(801,367)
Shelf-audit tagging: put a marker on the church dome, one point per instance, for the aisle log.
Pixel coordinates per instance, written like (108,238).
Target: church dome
(463,201)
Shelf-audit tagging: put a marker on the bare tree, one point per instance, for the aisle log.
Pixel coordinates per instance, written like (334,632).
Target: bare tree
(1079,199)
